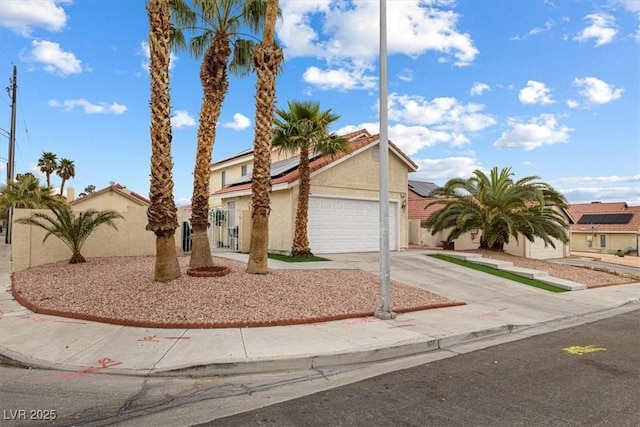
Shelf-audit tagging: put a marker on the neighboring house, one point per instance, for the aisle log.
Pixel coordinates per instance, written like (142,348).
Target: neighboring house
(115,196)
(420,235)
(605,227)
(131,238)
(344,201)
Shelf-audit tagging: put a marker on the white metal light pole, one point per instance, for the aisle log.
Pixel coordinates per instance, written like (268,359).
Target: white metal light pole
(384,309)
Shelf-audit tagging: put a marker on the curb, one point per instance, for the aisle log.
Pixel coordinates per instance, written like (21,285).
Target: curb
(420,346)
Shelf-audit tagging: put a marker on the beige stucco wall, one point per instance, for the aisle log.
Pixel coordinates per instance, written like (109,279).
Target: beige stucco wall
(613,242)
(131,239)
(422,237)
(108,200)
(281,220)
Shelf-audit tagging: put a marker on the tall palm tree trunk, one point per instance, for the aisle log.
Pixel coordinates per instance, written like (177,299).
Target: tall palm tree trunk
(301,239)
(215,83)
(266,60)
(161,214)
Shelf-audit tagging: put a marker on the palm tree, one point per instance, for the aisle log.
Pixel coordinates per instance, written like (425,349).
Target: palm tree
(219,23)
(162,213)
(48,164)
(500,207)
(66,170)
(267,58)
(71,229)
(304,129)
(27,193)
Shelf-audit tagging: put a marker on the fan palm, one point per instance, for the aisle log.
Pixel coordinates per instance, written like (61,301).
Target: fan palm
(267,57)
(218,41)
(71,229)
(27,192)
(501,208)
(304,129)
(48,164)
(66,170)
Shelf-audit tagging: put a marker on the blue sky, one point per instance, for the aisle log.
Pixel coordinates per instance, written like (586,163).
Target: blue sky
(546,87)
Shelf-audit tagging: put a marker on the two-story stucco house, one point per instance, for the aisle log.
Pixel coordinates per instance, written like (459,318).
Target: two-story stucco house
(344,201)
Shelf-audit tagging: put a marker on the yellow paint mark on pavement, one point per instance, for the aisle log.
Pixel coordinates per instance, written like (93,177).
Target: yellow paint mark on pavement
(580,350)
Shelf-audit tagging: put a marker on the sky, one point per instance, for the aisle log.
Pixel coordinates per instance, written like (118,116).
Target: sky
(549,88)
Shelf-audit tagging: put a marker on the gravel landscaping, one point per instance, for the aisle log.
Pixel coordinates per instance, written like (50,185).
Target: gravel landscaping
(121,290)
(591,278)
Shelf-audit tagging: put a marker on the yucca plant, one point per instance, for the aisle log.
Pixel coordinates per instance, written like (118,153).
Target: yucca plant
(72,229)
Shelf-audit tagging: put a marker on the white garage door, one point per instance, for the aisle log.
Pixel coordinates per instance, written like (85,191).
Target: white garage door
(346,225)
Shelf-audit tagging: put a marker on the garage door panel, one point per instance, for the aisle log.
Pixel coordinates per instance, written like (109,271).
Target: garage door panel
(348,225)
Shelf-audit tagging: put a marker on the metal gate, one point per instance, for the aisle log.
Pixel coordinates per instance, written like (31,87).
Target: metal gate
(224,229)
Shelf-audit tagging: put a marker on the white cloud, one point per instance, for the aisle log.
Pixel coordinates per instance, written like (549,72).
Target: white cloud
(423,123)
(340,79)
(571,103)
(446,169)
(24,16)
(182,118)
(406,75)
(144,50)
(479,88)
(632,6)
(88,107)
(630,194)
(443,113)
(541,130)
(596,90)
(411,139)
(606,179)
(535,93)
(240,122)
(53,59)
(413,28)
(537,30)
(602,29)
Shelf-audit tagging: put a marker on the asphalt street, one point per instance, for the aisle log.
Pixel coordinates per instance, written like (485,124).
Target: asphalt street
(586,375)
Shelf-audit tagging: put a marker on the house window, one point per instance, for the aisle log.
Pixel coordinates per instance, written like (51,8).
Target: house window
(603,240)
(224,178)
(245,170)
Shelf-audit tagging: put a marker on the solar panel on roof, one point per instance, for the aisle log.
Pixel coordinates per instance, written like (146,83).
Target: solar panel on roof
(622,218)
(278,168)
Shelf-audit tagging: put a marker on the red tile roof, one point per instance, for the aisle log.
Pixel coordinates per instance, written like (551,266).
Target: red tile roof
(579,209)
(359,139)
(418,207)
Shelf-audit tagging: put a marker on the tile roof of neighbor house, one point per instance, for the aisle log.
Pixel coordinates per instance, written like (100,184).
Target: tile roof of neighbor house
(600,210)
(117,188)
(421,188)
(359,139)
(418,207)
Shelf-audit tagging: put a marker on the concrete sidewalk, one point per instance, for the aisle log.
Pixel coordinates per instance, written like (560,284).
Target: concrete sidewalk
(495,307)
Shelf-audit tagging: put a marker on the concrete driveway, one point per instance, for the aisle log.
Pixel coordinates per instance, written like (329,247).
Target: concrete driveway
(608,263)
(444,278)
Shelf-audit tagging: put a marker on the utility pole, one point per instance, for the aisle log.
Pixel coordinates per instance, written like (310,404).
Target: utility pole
(384,310)
(12,147)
